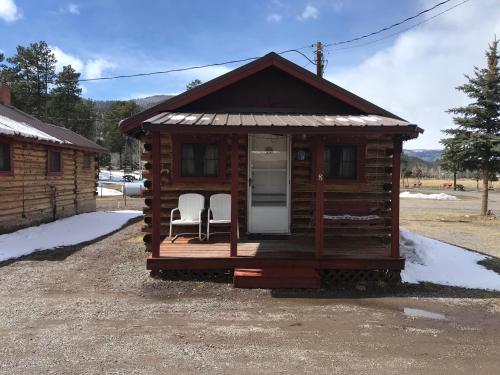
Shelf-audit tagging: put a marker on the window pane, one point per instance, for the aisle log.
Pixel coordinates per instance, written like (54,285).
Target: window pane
(199,160)
(54,161)
(340,162)
(87,161)
(4,157)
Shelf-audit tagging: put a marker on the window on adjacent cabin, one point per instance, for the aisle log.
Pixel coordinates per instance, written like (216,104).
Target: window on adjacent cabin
(199,160)
(5,162)
(87,161)
(341,162)
(55,165)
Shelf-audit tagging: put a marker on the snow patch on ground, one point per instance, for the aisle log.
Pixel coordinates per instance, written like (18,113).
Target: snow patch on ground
(117,176)
(439,197)
(107,192)
(428,260)
(64,232)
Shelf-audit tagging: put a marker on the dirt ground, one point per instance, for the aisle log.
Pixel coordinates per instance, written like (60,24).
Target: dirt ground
(454,221)
(94,310)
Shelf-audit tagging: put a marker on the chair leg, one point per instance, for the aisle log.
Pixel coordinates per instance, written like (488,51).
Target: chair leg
(199,232)
(237,229)
(208,228)
(170,232)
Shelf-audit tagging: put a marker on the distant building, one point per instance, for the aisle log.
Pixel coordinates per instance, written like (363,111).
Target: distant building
(46,171)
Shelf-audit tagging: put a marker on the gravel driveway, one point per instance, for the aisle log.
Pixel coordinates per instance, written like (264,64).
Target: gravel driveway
(95,310)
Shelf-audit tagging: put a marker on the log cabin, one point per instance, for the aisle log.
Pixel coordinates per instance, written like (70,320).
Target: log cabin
(312,171)
(46,172)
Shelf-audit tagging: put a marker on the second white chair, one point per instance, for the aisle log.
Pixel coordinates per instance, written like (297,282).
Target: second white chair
(220,212)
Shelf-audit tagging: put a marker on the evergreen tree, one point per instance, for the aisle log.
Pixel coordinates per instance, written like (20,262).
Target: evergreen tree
(193,84)
(29,73)
(115,140)
(477,135)
(451,159)
(64,98)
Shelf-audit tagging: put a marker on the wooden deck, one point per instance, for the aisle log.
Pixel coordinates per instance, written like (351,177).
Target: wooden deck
(292,252)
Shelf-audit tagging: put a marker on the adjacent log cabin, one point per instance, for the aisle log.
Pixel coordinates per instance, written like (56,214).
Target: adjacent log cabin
(312,169)
(46,172)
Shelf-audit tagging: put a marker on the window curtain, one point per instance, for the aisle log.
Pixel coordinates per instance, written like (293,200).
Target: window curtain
(348,164)
(188,162)
(210,161)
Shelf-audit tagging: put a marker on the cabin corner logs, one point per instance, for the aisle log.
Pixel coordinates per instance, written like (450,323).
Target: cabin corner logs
(31,195)
(370,195)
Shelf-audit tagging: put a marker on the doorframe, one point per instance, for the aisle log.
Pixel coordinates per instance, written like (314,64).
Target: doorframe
(289,182)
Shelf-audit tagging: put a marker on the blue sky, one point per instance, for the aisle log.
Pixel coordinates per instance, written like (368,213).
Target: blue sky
(412,74)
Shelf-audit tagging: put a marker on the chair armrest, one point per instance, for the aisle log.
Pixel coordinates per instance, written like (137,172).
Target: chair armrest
(172,213)
(199,215)
(209,211)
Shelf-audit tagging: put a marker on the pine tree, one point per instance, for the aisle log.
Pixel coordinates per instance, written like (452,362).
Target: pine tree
(477,135)
(451,160)
(29,73)
(193,84)
(114,139)
(64,98)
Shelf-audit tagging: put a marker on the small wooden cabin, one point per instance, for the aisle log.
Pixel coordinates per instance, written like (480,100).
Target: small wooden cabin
(312,169)
(46,171)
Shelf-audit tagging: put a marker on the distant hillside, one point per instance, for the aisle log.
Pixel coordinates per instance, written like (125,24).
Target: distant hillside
(427,155)
(143,103)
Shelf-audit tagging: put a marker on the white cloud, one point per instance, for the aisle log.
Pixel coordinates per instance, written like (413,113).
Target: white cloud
(9,11)
(274,18)
(309,12)
(416,76)
(95,68)
(73,8)
(64,59)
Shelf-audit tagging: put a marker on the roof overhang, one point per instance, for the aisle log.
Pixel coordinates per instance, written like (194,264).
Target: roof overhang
(230,123)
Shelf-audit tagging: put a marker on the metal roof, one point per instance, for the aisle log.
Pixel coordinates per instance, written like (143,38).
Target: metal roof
(263,119)
(18,123)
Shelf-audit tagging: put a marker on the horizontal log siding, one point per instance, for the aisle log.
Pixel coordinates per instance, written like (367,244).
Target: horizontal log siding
(371,196)
(350,197)
(171,189)
(30,196)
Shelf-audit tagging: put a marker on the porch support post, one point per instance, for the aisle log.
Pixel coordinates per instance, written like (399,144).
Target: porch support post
(234,195)
(156,212)
(396,166)
(320,191)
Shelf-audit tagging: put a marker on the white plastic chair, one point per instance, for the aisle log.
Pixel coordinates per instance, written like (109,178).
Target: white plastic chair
(219,212)
(190,208)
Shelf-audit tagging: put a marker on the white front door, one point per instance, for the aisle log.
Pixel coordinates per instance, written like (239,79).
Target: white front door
(268,184)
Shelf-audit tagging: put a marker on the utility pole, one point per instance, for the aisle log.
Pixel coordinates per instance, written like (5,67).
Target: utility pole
(319,60)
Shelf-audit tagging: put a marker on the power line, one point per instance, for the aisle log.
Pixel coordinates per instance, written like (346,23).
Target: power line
(191,67)
(403,30)
(388,27)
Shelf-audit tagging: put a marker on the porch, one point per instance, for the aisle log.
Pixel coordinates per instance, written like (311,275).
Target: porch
(292,251)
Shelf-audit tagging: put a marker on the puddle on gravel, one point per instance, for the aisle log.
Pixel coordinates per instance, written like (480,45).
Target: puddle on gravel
(419,313)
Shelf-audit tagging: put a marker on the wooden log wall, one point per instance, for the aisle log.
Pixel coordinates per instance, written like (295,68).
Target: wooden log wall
(171,189)
(371,196)
(31,196)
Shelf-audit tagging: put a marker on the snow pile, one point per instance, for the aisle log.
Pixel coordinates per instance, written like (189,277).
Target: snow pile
(117,176)
(107,192)
(70,231)
(351,217)
(439,197)
(440,263)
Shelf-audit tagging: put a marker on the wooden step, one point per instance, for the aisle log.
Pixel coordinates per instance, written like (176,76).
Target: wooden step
(277,277)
